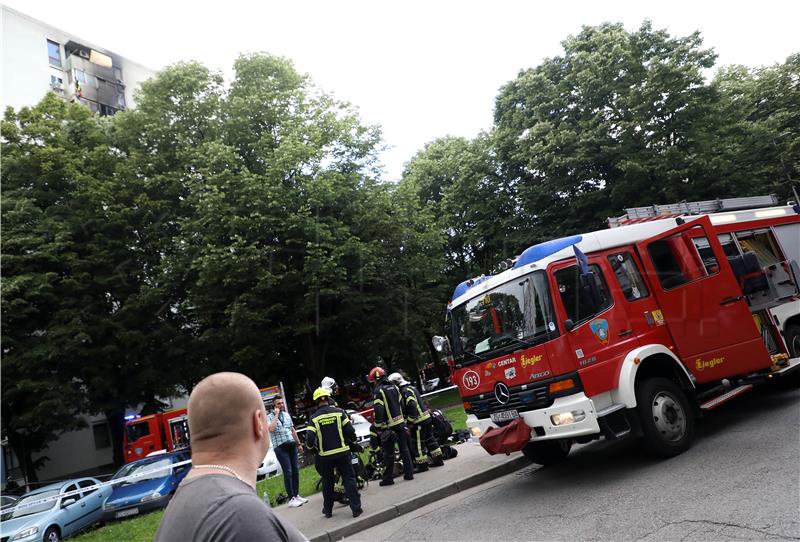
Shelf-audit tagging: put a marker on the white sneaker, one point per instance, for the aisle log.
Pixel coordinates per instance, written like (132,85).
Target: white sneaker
(294,502)
(301,499)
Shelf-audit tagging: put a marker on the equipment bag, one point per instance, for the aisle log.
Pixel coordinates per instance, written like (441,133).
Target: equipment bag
(511,438)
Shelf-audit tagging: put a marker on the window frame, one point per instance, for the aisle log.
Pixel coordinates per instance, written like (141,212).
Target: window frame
(594,267)
(628,255)
(699,264)
(50,58)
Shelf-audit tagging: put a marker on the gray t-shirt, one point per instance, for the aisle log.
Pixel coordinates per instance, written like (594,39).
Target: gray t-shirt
(219,507)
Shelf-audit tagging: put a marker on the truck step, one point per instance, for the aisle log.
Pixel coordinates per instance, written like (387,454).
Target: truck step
(790,366)
(727,396)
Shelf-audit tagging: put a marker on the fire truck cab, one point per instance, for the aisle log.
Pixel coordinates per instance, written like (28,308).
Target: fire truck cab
(633,330)
(167,431)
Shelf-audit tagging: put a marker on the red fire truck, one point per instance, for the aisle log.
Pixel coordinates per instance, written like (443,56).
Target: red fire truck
(635,330)
(167,431)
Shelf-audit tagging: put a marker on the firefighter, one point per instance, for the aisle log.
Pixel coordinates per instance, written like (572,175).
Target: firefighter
(420,424)
(390,422)
(331,434)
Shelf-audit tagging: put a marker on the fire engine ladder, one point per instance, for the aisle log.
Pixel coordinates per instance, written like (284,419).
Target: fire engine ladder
(635,215)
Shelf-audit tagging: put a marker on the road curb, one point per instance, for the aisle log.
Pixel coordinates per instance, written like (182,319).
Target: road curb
(404,507)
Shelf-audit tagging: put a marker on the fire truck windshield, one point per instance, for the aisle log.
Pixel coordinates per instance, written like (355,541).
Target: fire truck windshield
(516,314)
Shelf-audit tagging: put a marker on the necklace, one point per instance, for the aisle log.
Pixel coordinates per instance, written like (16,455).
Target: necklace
(220,467)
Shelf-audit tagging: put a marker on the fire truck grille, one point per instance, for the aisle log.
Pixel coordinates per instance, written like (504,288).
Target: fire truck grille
(522,398)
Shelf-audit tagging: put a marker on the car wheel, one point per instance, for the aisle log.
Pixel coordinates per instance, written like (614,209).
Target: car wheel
(667,420)
(52,534)
(547,452)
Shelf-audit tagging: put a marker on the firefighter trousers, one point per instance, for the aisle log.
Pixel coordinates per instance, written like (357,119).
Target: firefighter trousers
(424,442)
(387,447)
(325,467)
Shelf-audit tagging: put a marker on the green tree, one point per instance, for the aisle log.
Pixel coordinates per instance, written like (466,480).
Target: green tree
(762,146)
(473,205)
(621,119)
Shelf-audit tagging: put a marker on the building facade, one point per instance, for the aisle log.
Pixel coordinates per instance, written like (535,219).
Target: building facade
(38,58)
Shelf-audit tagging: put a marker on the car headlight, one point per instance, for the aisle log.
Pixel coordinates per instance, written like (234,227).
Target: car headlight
(30,531)
(153,496)
(108,506)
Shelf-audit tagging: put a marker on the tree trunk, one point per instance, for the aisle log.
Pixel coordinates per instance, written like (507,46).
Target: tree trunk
(116,423)
(24,455)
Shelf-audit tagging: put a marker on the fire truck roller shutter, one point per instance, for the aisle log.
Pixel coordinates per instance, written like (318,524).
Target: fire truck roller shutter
(649,356)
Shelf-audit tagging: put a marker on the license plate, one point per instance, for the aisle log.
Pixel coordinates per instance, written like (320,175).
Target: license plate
(354,461)
(126,513)
(504,416)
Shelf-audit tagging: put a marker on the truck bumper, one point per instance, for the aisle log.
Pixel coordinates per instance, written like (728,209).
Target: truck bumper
(541,424)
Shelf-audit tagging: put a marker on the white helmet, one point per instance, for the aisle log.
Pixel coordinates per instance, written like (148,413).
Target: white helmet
(397,378)
(329,384)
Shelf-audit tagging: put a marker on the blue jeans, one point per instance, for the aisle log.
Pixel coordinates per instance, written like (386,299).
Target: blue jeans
(287,457)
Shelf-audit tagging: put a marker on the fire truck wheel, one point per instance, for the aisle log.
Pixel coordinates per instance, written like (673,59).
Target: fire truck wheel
(793,340)
(667,421)
(547,452)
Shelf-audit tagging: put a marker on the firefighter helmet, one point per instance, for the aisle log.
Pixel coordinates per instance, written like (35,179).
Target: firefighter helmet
(330,384)
(376,374)
(397,378)
(321,393)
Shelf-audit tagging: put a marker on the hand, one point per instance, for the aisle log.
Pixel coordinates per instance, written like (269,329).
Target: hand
(277,411)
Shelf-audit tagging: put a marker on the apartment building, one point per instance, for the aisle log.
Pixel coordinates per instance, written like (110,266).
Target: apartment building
(38,58)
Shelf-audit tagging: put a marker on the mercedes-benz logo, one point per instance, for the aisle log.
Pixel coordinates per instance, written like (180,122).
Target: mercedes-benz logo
(501,393)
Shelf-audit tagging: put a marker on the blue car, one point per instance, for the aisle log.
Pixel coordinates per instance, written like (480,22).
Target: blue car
(152,490)
(59,515)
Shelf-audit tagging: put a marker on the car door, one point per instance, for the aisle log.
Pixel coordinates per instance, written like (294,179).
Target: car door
(93,501)
(702,304)
(71,509)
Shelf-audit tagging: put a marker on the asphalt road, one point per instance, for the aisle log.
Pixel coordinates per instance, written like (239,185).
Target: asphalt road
(740,481)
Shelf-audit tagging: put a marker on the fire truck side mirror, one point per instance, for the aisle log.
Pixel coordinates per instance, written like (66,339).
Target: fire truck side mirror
(569,324)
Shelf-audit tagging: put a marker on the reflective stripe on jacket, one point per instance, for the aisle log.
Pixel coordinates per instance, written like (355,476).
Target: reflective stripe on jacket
(332,431)
(388,405)
(414,407)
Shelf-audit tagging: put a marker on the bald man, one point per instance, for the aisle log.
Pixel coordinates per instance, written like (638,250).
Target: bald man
(217,500)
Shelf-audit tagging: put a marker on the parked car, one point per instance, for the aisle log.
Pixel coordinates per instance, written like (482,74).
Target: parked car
(153,490)
(59,516)
(270,466)
(361,426)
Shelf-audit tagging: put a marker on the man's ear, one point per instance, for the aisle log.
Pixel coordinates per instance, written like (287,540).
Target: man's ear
(259,423)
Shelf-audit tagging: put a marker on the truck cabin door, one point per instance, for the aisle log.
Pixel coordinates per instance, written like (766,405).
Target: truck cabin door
(701,302)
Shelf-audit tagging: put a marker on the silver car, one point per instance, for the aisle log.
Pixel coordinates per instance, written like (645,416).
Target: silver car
(54,512)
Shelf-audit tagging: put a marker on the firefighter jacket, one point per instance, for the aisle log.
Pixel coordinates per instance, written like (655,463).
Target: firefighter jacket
(330,431)
(414,407)
(388,405)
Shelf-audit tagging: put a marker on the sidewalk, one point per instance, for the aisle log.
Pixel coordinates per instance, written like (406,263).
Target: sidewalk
(472,467)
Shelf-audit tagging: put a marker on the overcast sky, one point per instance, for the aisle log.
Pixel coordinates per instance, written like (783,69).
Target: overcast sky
(420,69)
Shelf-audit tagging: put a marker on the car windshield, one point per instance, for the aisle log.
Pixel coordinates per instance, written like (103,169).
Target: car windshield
(20,509)
(145,471)
(518,313)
